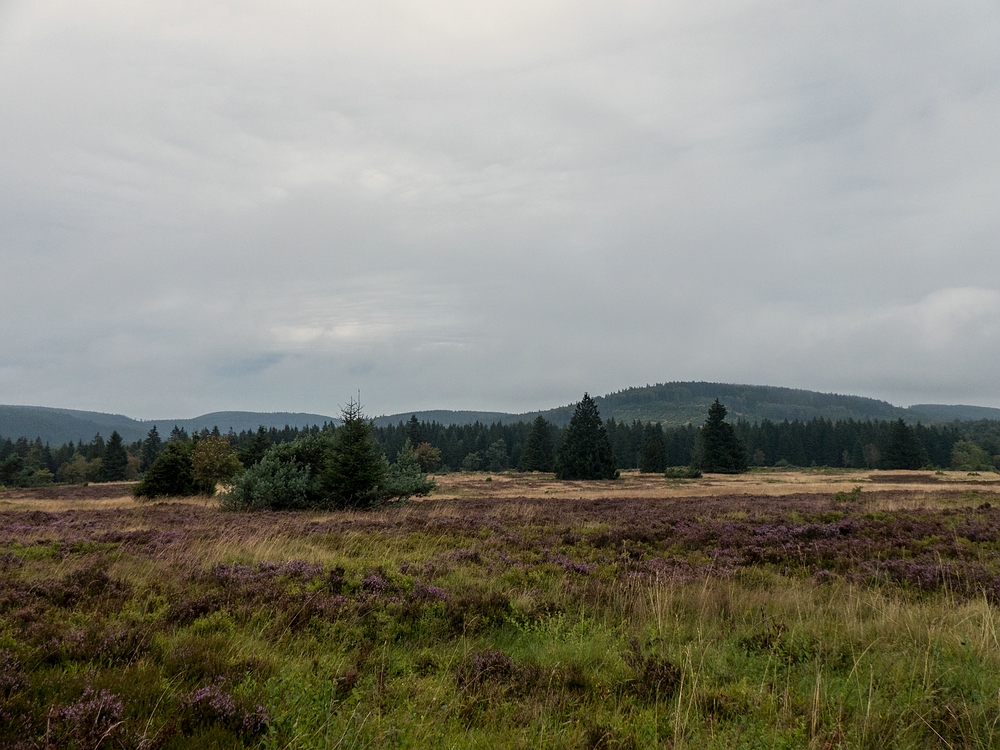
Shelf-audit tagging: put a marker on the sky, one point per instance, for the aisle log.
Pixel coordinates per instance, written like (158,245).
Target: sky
(438,204)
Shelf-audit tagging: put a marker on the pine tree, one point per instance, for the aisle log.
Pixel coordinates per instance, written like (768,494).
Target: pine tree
(719,450)
(356,469)
(654,451)
(538,454)
(115,462)
(586,452)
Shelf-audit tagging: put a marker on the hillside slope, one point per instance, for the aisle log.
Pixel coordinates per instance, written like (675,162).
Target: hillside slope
(668,403)
(57,426)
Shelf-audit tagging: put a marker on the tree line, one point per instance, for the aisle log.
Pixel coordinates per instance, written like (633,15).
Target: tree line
(871,444)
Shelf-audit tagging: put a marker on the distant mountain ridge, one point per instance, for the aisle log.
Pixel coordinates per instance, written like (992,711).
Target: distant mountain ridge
(57,426)
(670,404)
(679,403)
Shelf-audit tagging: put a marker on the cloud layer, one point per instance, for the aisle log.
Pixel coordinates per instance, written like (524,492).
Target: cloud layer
(443,205)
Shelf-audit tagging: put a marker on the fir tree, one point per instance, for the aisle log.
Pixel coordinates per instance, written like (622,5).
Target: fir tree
(586,452)
(413,432)
(903,449)
(654,451)
(538,454)
(356,469)
(719,450)
(255,449)
(151,448)
(114,465)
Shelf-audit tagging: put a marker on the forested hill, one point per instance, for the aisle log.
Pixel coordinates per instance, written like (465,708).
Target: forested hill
(678,403)
(674,404)
(58,426)
(671,404)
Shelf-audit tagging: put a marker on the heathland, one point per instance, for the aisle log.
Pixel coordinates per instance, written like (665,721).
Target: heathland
(824,608)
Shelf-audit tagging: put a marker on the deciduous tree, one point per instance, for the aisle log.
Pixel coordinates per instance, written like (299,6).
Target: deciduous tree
(213,461)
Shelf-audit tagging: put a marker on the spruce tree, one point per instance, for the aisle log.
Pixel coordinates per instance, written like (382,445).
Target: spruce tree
(151,448)
(719,450)
(413,432)
(114,465)
(653,459)
(903,449)
(586,452)
(356,469)
(255,449)
(538,454)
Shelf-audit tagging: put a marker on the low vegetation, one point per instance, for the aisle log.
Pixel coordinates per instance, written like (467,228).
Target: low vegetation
(782,610)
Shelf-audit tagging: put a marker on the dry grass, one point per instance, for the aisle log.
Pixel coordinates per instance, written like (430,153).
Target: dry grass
(510,485)
(928,486)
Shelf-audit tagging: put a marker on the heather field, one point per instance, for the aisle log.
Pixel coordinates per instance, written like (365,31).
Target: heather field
(779,609)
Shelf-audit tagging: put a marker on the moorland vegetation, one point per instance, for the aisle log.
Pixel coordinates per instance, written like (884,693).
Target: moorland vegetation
(731,613)
(588,609)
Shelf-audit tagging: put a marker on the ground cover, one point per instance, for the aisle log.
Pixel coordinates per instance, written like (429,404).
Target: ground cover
(777,609)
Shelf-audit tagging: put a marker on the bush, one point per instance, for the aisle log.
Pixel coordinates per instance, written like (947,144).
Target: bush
(171,473)
(271,484)
(428,456)
(848,497)
(682,472)
(316,472)
(405,478)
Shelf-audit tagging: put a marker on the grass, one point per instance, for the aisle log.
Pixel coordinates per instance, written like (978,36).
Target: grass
(730,612)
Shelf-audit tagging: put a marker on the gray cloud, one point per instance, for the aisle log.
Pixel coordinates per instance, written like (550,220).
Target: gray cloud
(448,205)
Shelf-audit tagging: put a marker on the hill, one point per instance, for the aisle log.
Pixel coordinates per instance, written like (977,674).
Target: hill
(678,403)
(57,426)
(668,403)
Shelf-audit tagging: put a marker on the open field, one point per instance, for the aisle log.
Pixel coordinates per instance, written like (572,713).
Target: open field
(762,610)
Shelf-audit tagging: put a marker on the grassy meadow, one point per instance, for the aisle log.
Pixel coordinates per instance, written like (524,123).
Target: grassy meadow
(774,609)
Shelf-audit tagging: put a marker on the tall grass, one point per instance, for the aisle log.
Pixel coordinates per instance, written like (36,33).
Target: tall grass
(486,623)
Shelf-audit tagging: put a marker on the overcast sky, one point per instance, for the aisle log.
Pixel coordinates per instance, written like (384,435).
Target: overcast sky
(271,206)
